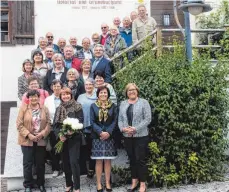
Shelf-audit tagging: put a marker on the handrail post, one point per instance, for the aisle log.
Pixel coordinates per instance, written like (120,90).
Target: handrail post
(159,41)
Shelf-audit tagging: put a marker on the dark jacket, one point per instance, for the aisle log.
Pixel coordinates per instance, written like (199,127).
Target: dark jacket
(75,114)
(104,66)
(76,89)
(107,126)
(50,77)
(80,54)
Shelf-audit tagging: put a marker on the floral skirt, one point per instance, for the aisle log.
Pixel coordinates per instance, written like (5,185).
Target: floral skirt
(103,149)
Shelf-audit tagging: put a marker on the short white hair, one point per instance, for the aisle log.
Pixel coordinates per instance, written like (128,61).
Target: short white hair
(43,39)
(98,45)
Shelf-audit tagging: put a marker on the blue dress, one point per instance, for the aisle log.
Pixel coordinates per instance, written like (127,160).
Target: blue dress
(103,149)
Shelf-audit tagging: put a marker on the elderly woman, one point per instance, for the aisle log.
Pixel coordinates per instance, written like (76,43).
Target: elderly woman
(27,68)
(74,83)
(103,121)
(114,43)
(57,72)
(86,100)
(52,102)
(33,126)
(133,121)
(40,68)
(71,149)
(99,82)
(42,44)
(85,70)
(33,83)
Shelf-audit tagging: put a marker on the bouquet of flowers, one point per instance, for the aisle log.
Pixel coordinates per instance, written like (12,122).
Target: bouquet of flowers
(70,126)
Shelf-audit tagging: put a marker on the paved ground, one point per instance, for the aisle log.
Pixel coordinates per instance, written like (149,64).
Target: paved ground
(208,187)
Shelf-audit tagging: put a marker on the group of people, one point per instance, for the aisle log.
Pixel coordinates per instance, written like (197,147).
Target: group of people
(69,81)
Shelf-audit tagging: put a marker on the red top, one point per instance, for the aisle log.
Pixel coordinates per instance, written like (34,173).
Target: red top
(43,95)
(76,64)
(103,39)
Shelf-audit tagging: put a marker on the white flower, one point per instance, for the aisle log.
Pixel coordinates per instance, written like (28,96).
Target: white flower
(77,126)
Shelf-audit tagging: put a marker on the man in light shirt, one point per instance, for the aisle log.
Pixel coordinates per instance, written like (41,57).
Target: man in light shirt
(142,25)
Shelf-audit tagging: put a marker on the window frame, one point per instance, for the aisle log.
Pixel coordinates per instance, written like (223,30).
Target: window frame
(169,19)
(10,39)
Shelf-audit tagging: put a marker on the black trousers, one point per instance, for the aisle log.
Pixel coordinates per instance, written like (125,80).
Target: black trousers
(88,152)
(55,157)
(137,151)
(70,158)
(29,154)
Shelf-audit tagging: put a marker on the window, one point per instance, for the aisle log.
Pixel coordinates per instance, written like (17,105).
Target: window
(5,25)
(166,20)
(17,22)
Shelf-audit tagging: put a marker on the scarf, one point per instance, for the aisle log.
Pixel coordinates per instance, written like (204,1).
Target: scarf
(64,109)
(103,112)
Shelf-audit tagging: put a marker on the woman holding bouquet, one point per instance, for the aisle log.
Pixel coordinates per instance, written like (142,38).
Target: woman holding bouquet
(103,121)
(71,143)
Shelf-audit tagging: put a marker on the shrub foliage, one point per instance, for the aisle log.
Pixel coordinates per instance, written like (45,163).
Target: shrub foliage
(189,108)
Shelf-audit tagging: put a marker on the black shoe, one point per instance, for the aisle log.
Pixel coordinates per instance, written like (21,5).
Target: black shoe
(108,190)
(90,173)
(28,189)
(42,188)
(70,189)
(100,190)
(134,189)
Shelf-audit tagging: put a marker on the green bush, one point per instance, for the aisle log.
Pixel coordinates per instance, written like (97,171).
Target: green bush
(189,110)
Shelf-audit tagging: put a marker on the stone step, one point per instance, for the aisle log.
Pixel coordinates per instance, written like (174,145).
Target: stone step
(13,171)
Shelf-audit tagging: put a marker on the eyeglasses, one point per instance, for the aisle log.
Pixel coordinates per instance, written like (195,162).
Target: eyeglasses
(130,90)
(50,37)
(33,84)
(103,27)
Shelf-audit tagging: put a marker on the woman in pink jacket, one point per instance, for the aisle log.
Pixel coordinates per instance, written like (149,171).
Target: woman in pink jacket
(33,83)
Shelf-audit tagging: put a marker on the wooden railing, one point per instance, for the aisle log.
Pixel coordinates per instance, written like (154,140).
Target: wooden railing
(158,32)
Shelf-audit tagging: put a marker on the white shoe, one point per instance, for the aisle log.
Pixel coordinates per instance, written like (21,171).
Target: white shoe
(55,173)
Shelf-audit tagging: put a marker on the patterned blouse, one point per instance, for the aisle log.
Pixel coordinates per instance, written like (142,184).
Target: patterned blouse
(36,120)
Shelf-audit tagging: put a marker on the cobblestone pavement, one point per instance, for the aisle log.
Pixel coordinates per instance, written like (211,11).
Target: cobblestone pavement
(208,187)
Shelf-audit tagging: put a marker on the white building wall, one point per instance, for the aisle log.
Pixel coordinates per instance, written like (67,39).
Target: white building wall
(64,20)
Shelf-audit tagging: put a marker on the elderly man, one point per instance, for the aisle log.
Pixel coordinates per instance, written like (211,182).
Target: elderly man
(126,31)
(105,34)
(61,44)
(142,25)
(95,40)
(70,61)
(100,63)
(50,38)
(49,52)
(86,52)
(117,22)
(73,43)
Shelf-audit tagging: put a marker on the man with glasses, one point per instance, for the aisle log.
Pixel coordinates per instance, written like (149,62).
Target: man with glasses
(100,63)
(95,40)
(105,34)
(50,38)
